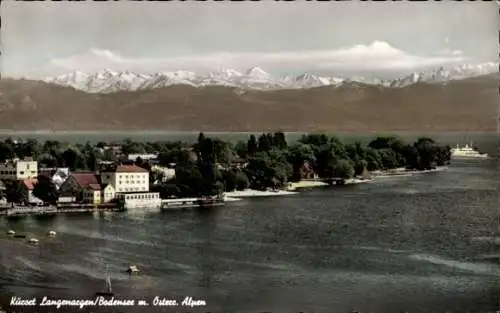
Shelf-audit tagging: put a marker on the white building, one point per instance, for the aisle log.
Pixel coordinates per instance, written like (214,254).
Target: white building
(141,200)
(131,184)
(19,169)
(127,178)
(144,157)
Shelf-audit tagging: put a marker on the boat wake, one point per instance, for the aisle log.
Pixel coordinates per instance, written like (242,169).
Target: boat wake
(472,267)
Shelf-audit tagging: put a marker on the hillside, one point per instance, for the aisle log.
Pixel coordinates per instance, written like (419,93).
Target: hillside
(460,105)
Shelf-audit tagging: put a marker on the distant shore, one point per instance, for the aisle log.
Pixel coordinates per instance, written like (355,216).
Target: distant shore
(294,188)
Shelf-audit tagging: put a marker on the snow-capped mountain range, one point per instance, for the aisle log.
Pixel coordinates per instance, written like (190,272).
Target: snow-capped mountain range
(106,80)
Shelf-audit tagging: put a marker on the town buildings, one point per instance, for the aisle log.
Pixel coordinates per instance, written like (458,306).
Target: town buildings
(126,178)
(17,169)
(131,184)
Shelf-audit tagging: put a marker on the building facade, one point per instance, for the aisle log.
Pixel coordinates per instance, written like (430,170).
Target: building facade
(141,200)
(108,193)
(19,169)
(92,194)
(76,184)
(127,179)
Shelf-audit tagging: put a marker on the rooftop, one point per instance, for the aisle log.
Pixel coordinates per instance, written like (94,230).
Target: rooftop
(30,183)
(95,187)
(130,169)
(85,179)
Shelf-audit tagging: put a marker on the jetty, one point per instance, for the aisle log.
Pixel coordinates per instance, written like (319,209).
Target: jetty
(17,210)
(185,203)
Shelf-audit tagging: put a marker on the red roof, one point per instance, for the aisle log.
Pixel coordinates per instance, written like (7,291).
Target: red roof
(130,169)
(95,187)
(85,179)
(30,183)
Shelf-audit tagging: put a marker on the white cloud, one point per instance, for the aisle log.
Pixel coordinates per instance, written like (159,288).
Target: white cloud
(377,56)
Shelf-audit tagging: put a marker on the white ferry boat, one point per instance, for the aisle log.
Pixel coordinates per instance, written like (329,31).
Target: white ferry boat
(467,152)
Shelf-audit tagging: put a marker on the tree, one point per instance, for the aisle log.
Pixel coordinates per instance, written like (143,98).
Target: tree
(343,168)
(229,179)
(6,151)
(73,159)
(279,140)
(29,148)
(241,180)
(109,155)
(188,177)
(129,147)
(139,161)
(46,190)
(265,142)
(241,149)
(300,153)
(314,139)
(14,192)
(252,146)
(167,190)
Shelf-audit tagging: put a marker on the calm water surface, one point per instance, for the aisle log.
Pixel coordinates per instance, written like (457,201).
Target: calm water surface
(410,243)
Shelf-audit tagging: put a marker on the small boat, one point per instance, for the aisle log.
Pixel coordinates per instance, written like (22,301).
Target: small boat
(133,269)
(108,292)
(11,233)
(52,233)
(33,241)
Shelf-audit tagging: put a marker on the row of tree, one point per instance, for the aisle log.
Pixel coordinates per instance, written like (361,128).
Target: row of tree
(270,162)
(211,165)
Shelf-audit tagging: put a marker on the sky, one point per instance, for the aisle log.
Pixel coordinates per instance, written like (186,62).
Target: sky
(41,39)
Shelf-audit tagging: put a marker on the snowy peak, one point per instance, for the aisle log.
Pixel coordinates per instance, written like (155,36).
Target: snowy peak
(107,80)
(225,74)
(257,72)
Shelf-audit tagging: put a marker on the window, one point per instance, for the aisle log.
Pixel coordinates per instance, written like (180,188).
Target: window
(21,173)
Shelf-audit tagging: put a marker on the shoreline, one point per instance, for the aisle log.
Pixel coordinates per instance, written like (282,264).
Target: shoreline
(295,187)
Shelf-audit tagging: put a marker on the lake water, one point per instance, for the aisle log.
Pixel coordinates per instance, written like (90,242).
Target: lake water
(413,243)
(479,138)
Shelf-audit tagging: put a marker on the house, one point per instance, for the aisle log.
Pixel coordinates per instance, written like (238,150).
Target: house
(76,182)
(92,194)
(17,169)
(126,178)
(115,147)
(108,193)
(144,157)
(57,175)
(131,184)
(60,176)
(239,163)
(28,186)
(306,171)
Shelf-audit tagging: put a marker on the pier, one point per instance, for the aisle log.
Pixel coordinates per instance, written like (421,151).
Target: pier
(185,203)
(53,210)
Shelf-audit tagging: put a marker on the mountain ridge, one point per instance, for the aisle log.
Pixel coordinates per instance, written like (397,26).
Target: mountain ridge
(108,81)
(459,105)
